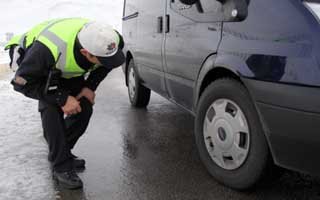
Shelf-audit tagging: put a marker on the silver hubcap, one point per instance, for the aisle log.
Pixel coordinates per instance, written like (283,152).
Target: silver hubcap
(226,134)
(132,83)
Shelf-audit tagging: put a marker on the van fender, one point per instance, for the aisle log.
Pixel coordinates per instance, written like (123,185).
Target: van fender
(129,56)
(234,64)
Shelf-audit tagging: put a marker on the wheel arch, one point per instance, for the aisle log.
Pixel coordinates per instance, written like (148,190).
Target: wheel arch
(211,71)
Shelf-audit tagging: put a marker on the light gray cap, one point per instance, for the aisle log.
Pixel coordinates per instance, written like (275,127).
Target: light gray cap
(102,41)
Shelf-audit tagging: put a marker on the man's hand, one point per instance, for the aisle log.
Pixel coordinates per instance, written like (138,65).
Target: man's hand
(72,106)
(87,93)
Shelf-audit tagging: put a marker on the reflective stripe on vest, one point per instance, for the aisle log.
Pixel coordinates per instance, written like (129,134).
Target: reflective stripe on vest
(60,38)
(22,41)
(33,33)
(62,48)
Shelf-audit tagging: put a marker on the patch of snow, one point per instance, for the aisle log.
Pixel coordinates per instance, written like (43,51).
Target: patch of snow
(24,170)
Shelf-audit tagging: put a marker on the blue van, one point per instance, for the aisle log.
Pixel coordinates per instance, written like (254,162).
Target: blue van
(248,70)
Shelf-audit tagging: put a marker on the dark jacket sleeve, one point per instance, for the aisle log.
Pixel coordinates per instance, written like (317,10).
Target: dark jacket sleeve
(96,77)
(31,76)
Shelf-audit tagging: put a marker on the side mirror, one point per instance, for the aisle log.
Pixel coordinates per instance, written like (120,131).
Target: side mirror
(232,10)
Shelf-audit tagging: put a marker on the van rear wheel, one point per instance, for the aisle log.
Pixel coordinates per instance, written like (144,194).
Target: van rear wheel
(229,135)
(139,95)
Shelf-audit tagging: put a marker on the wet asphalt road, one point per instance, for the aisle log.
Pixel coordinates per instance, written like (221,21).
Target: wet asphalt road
(150,154)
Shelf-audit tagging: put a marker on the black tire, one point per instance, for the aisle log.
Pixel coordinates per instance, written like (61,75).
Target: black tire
(258,157)
(141,94)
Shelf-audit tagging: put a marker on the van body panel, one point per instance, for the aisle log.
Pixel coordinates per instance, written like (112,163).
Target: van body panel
(291,123)
(275,52)
(186,48)
(149,44)
(276,46)
(277,55)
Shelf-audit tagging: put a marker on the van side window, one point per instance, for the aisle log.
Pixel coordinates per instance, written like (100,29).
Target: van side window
(202,11)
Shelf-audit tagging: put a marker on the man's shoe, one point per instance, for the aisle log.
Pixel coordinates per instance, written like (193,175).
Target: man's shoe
(69,180)
(78,163)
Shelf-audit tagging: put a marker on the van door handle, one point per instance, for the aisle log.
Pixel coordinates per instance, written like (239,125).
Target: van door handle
(167,23)
(160,24)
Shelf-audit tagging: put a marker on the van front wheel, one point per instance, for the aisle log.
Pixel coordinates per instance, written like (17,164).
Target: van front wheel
(229,135)
(139,95)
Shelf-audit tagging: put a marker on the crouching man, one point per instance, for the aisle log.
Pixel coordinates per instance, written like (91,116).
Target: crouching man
(61,63)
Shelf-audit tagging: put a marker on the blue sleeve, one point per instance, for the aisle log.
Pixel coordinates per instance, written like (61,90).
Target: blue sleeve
(96,77)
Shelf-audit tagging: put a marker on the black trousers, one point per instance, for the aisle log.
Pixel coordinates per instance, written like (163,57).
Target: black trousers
(62,133)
